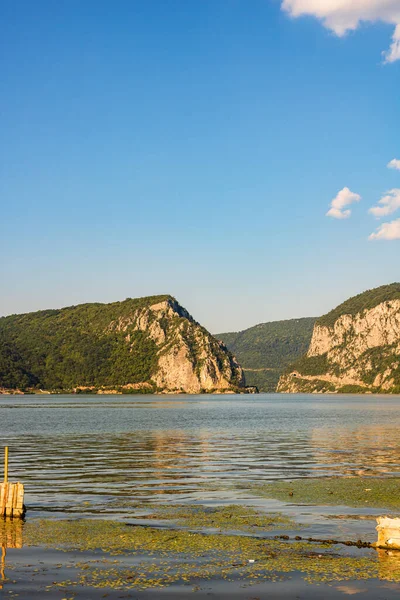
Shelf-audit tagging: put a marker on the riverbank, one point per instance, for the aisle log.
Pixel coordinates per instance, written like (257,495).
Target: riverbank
(230,551)
(181,493)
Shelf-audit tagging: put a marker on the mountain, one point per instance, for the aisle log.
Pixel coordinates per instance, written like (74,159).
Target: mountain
(143,345)
(265,350)
(354,348)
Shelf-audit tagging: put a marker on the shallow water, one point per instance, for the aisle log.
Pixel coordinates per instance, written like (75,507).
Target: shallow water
(36,581)
(90,454)
(112,457)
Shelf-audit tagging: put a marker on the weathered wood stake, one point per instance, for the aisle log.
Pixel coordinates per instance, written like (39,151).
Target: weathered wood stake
(6,464)
(11,494)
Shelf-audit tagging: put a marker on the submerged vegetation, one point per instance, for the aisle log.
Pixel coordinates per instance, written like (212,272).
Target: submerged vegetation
(224,518)
(348,491)
(161,557)
(191,545)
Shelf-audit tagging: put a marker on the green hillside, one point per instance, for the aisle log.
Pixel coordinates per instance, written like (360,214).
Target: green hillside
(113,346)
(364,301)
(57,349)
(265,350)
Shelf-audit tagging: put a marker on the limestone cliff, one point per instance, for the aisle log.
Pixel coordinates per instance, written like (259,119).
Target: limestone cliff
(189,358)
(355,348)
(138,345)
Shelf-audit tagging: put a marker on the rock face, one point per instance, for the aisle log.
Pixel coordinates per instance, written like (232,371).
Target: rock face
(138,345)
(356,348)
(189,358)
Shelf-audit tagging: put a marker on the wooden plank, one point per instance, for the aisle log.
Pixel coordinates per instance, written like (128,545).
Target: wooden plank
(20,497)
(10,500)
(3,497)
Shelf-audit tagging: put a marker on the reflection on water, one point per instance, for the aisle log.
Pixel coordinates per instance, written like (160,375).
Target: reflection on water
(389,565)
(10,537)
(11,533)
(80,455)
(375,449)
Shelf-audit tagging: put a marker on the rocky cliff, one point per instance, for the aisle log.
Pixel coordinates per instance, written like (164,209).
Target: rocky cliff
(355,348)
(146,344)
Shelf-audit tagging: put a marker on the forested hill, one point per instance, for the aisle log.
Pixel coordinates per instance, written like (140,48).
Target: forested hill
(361,303)
(354,348)
(265,350)
(144,345)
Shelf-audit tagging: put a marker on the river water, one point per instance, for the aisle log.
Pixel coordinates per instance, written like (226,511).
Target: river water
(91,454)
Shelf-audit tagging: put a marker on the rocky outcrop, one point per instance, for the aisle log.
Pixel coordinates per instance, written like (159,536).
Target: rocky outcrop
(351,336)
(190,359)
(357,352)
(136,346)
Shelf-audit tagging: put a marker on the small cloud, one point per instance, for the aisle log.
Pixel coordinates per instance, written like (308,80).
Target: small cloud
(393,53)
(387,205)
(387,231)
(341,16)
(344,198)
(394,164)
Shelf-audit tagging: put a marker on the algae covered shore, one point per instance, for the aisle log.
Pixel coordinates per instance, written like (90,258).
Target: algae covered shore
(356,492)
(227,551)
(239,499)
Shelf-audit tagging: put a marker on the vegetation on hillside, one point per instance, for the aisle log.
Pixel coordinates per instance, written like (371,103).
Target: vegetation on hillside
(379,359)
(377,369)
(265,350)
(118,346)
(61,349)
(361,302)
(13,373)
(311,365)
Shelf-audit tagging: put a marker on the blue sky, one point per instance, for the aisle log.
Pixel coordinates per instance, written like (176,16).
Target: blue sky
(194,148)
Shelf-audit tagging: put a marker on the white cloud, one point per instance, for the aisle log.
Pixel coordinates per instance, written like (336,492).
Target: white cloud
(394,164)
(394,51)
(341,16)
(387,231)
(387,205)
(344,198)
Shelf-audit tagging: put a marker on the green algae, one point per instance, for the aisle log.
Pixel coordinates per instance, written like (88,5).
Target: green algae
(225,518)
(197,544)
(116,538)
(160,557)
(349,491)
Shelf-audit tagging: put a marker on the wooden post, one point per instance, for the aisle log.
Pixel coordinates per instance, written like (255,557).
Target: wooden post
(6,464)
(11,494)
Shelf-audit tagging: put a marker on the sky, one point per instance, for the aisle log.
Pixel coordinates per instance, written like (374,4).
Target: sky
(241,156)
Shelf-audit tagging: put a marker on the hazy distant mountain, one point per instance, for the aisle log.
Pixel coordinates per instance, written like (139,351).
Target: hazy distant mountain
(265,350)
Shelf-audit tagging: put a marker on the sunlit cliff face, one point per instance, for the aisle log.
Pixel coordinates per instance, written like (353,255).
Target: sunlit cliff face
(360,350)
